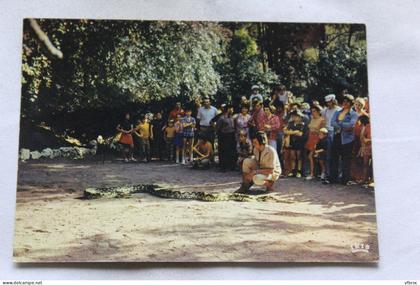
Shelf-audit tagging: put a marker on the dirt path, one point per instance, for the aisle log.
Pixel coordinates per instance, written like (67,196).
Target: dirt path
(320,223)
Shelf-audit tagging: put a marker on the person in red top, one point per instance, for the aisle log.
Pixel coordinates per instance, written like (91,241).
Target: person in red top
(282,153)
(176,111)
(365,151)
(356,168)
(271,125)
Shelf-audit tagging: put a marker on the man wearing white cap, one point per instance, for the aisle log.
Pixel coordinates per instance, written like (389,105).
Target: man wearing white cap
(255,94)
(328,113)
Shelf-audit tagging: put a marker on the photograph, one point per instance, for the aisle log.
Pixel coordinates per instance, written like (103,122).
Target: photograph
(194,141)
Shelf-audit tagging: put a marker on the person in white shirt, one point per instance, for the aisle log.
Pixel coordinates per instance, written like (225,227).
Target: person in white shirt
(327,113)
(205,114)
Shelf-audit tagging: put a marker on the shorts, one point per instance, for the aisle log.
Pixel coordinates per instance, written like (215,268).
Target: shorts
(178,140)
(297,145)
(312,141)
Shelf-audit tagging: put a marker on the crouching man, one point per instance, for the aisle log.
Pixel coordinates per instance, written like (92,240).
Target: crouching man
(265,163)
(203,151)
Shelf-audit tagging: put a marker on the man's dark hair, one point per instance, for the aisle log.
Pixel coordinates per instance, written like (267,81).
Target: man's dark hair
(261,137)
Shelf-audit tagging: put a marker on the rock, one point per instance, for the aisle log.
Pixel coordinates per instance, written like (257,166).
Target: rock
(47,152)
(93,143)
(116,146)
(113,145)
(35,155)
(81,152)
(56,153)
(100,140)
(68,151)
(25,154)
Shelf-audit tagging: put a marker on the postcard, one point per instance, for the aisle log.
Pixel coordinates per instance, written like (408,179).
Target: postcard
(194,141)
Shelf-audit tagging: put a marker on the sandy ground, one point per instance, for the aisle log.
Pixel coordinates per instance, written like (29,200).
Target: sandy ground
(53,223)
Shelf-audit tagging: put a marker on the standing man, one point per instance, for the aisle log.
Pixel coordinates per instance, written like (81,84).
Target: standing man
(205,114)
(327,114)
(265,162)
(343,122)
(255,93)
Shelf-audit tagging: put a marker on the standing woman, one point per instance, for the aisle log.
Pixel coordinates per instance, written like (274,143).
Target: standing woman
(356,168)
(366,149)
(126,139)
(359,107)
(226,140)
(317,122)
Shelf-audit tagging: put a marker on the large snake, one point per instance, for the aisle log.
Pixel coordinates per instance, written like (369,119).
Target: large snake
(164,191)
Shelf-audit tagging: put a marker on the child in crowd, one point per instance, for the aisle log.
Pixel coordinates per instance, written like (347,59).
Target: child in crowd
(178,139)
(169,136)
(320,153)
(188,126)
(244,147)
(297,131)
(144,133)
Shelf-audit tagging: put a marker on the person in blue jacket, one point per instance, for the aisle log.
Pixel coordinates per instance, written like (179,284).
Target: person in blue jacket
(343,122)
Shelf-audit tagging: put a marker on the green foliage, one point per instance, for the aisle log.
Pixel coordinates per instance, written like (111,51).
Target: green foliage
(316,59)
(169,59)
(121,64)
(243,68)
(340,67)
